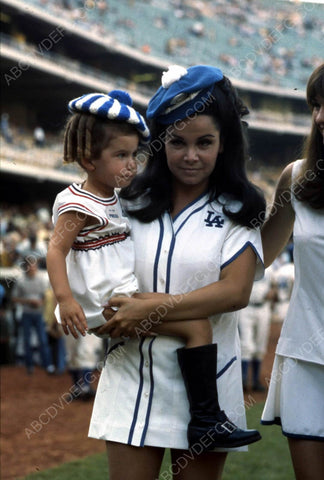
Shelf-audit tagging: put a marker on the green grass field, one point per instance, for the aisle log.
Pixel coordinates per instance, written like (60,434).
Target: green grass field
(267,460)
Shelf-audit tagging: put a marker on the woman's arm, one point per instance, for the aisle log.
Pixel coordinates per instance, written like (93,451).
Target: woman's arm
(279,225)
(66,230)
(230,293)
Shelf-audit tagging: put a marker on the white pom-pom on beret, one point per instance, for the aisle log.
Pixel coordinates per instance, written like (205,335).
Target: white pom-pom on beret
(174,73)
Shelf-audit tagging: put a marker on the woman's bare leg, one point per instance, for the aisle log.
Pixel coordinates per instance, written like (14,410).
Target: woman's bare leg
(205,466)
(126,462)
(307,458)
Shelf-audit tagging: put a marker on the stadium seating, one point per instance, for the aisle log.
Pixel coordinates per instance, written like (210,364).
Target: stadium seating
(275,43)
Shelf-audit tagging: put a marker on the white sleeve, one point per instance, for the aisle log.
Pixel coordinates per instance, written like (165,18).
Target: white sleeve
(237,240)
(68,203)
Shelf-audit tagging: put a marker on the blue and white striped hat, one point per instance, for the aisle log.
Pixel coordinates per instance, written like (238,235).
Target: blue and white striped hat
(117,105)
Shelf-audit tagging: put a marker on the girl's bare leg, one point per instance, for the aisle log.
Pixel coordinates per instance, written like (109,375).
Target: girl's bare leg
(307,458)
(195,332)
(204,466)
(126,462)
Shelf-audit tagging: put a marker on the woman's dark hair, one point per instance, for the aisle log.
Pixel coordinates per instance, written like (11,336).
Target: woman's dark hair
(309,186)
(229,176)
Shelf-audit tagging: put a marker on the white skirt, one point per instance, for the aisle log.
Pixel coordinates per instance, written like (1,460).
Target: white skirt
(141,398)
(296,398)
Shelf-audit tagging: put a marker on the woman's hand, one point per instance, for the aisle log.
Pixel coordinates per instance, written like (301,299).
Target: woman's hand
(73,319)
(135,316)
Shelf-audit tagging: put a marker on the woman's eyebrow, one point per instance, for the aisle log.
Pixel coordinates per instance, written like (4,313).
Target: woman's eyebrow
(174,135)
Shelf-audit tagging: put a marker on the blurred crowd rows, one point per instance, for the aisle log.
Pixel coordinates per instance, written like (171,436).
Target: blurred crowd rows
(25,231)
(276,43)
(33,147)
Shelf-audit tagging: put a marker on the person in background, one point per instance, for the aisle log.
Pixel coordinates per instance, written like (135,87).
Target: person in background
(284,273)
(254,327)
(5,128)
(296,391)
(39,137)
(83,356)
(55,333)
(29,292)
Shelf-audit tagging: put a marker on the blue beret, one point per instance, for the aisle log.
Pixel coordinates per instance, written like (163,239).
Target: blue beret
(117,105)
(182,92)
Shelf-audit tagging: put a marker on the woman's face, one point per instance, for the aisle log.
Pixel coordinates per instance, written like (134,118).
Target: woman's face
(191,148)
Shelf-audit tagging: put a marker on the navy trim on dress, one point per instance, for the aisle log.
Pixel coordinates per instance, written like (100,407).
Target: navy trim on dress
(116,345)
(168,275)
(226,367)
(237,254)
(147,418)
(192,213)
(139,394)
(189,205)
(157,256)
(111,349)
(277,421)
(303,437)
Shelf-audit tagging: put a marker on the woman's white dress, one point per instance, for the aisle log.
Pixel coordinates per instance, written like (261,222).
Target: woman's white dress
(141,398)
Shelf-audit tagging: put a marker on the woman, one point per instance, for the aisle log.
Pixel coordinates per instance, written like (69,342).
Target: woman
(296,393)
(192,212)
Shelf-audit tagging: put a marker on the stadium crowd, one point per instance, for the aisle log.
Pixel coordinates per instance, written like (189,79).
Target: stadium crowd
(30,334)
(274,43)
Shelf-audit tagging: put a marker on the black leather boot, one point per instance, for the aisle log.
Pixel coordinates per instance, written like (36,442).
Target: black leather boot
(209,426)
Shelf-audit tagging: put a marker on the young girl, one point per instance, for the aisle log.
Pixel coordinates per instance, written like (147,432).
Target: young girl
(90,255)
(92,235)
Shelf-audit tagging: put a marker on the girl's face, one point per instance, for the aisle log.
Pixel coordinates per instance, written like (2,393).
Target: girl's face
(192,147)
(116,166)
(318,114)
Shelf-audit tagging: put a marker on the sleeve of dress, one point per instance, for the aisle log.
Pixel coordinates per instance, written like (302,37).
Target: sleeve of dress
(65,202)
(238,239)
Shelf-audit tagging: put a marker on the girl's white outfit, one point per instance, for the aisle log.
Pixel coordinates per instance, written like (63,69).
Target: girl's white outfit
(101,261)
(141,398)
(296,393)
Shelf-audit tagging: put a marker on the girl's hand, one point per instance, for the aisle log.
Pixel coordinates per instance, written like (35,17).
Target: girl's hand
(72,318)
(134,318)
